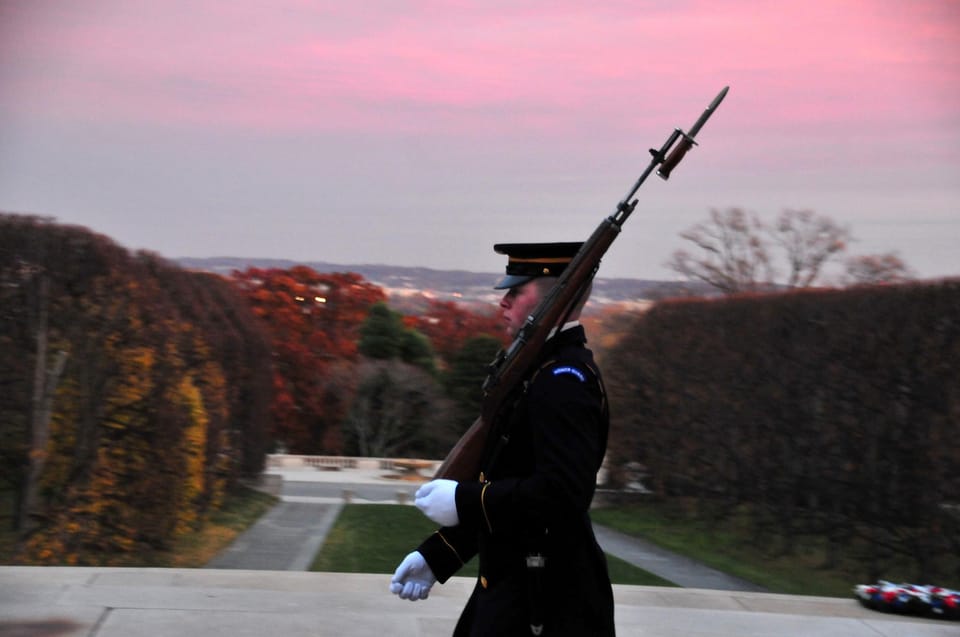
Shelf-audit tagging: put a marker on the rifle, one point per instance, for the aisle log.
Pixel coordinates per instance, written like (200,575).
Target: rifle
(511,366)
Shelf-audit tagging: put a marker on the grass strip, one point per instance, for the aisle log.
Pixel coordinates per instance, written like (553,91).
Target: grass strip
(373,538)
(732,548)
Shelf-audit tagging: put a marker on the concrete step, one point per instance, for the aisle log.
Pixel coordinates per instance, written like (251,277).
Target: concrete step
(138,602)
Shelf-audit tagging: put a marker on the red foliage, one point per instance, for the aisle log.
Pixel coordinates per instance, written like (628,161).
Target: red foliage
(313,320)
(449,325)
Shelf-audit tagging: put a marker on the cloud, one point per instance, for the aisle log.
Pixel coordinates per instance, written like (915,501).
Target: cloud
(499,105)
(488,69)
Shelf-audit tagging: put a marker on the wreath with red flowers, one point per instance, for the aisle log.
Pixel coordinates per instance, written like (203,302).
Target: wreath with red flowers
(931,601)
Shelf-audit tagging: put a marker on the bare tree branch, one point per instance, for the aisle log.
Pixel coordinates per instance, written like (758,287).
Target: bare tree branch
(733,252)
(876,269)
(810,242)
(733,255)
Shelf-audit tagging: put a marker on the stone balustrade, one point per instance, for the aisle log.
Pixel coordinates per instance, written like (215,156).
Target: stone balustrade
(293,461)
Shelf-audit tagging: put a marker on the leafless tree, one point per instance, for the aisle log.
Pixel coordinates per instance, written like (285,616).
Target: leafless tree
(875,269)
(398,409)
(733,255)
(736,252)
(810,241)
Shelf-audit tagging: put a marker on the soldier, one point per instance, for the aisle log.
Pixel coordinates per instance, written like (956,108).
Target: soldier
(541,569)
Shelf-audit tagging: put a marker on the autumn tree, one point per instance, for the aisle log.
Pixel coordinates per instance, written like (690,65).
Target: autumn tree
(135,440)
(46,269)
(141,448)
(314,324)
(449,325)
(18,354)
(225,321)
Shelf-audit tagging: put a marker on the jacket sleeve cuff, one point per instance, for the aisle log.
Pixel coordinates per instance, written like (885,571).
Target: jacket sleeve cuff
(442,556)
(469,503)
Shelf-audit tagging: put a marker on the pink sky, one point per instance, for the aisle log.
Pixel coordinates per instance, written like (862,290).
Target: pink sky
(332,131)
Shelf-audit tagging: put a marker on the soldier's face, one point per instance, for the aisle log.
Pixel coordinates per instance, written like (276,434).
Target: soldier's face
(517,304)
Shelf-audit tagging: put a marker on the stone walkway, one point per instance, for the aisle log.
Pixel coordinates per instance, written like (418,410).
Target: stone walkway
(286,538)
(289,536)
(678,569)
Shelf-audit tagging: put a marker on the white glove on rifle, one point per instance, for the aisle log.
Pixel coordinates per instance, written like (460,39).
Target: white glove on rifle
(437,499)
(413,578)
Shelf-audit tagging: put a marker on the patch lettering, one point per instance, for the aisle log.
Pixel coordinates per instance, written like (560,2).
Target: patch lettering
(572,371)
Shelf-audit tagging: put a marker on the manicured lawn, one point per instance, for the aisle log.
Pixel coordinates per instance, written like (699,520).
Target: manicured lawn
(622,572)
(373,538)
(729,547)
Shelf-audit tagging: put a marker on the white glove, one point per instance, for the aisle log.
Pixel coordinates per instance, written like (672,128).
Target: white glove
(413,578)
(437,499)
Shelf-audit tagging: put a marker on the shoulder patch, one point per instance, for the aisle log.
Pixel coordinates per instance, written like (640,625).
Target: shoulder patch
(572,371)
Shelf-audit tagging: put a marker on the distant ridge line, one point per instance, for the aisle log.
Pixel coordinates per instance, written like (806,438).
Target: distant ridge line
(469,284)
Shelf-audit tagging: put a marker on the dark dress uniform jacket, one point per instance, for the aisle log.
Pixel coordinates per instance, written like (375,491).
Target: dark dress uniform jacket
(533,497)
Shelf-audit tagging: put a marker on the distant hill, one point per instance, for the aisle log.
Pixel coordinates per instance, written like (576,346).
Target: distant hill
(453,285)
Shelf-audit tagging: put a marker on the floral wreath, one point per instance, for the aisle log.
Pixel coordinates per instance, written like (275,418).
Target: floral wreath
(932,601)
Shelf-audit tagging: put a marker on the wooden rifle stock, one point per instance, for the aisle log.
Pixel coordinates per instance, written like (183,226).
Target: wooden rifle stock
(463,462)
(510,367)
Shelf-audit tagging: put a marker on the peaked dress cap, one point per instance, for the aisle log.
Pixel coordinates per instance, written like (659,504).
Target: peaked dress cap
(528,261)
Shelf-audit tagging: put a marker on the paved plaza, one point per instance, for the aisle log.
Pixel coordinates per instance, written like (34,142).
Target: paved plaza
(258,587)
(105,602)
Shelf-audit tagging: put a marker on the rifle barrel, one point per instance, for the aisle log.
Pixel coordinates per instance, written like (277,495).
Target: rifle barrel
(509,368)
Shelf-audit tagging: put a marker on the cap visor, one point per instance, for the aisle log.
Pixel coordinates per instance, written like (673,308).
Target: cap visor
(511,281)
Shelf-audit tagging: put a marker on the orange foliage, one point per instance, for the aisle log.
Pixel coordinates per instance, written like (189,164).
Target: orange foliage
(449,325)
(313,320)
(160,406)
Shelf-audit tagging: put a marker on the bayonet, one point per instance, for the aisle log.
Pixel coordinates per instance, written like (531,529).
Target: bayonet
(510,366)
(666,162)
(686,143)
